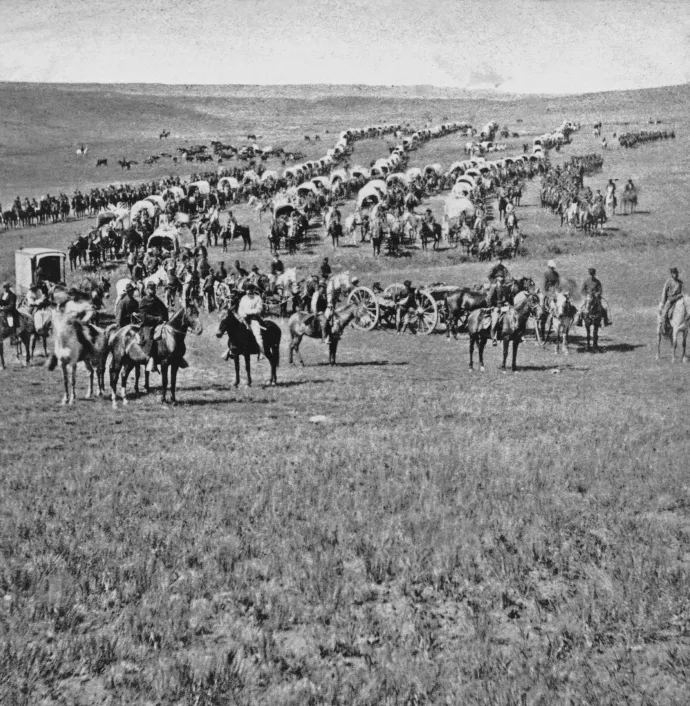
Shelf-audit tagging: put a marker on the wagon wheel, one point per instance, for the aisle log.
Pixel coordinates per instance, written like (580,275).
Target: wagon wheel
(392,290)
(425,317)
(367,312)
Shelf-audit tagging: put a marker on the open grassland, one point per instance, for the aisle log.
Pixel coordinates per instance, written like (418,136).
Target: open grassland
(439,537)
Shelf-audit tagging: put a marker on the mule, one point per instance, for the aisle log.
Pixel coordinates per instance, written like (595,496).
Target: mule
(303,324)
(677,329)
(241,342)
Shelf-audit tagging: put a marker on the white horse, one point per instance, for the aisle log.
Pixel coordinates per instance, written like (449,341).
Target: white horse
(679,320)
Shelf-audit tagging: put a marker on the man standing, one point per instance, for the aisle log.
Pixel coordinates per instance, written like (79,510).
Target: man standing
(241,272)
(222,273)
(672,292)
(552,280)
(249,313)
(404,303)
(277,267)
(153,312)
(126,307)
(592,292)
(209,291)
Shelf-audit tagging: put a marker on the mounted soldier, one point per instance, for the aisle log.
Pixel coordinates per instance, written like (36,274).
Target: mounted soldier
(249,312)
(153,312)
(552,280)
(671,293)
(497,299)
(592,292)
(126,307)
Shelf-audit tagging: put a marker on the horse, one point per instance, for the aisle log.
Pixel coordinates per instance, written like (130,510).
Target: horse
(102,162)
(511,328)
(25,329)
(562,311)
(170,348)
(511,223)
(591,320)
(677,327)
(610,204)
(629,199)
(77,341)
(241,342)
(303,324)
(458,307)
(429,232)
(126,353)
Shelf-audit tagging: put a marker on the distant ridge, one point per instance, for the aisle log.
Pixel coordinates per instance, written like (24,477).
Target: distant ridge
(321,91)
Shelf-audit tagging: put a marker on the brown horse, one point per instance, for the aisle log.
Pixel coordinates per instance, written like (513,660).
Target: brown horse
(511,328)
(303,324)
(241,342)
(170,348)
(126,354)
(25,329)
(458,307)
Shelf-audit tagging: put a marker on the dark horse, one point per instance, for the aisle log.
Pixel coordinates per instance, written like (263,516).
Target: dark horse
(241,342)
(302,324)
(24,331)
(126,354)
(432,233)
(170,348)
(591,320)
(510,328)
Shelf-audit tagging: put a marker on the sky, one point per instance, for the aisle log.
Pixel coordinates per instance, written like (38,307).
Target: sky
(517,46)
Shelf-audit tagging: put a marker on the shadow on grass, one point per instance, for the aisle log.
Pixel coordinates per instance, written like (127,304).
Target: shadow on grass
(363,364)
(612,348)
(297,383)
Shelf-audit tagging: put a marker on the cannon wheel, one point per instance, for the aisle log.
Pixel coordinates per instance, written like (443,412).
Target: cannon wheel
(427,313)
(368,311)
(392,290)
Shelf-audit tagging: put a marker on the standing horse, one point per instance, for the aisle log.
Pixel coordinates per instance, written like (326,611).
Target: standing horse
(25,329)
(591,320)
(126,354)
(170,348)
(677,327)
(562,312)
(303,324)
(77,341)
(511,328)
(241,342)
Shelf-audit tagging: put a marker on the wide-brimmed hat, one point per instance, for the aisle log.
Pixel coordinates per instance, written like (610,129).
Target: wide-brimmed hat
(674,270)
(592,271)
(151,285)
(407,283)
(552,264)
(129,287)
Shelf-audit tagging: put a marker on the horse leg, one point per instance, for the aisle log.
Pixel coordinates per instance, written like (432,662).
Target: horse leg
(164,382)
(595,336)
(137,375)
(685,340)
(173,383)
(114,370)
(89,368)
(65,379)
(471,353)
(147,388)
(2,355)
(247,368)
(236,359)
(480,348)
(587,329)
(506,345)
(73,384)
(516,343)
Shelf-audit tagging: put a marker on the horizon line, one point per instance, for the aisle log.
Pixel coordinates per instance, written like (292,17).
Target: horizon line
(496,91)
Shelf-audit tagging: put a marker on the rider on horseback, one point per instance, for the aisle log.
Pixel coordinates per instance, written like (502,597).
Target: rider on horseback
(249,313)
(552,280)
(497,298)
(35,298)
(592,292)
(153,312)
(672,292)
(8,306)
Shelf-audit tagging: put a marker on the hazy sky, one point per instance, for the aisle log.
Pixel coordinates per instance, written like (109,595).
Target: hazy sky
(551,46)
